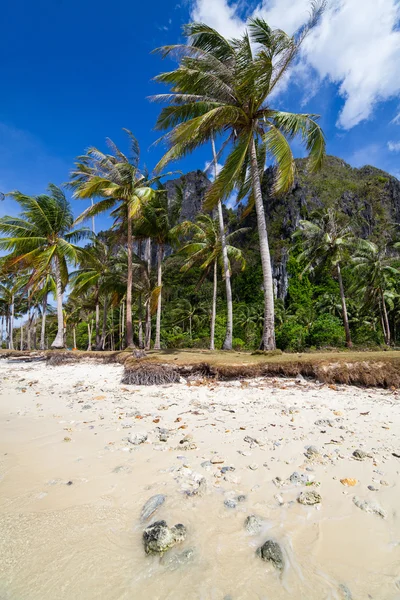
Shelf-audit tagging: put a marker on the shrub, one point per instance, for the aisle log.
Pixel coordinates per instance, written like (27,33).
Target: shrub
(291,336)
(238,344)
(327,330)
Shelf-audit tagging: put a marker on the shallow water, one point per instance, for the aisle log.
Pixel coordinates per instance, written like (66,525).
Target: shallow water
(84,540)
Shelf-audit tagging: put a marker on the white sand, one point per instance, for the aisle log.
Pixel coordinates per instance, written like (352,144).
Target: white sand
(83,540)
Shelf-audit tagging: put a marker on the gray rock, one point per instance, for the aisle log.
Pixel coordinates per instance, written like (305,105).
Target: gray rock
(200,490)
(151,506)
(373,488)
(137,437)
(369,507)
(172,562)
(230,503)
(253,524)
(158,537)
(86,406)
(312,452)
(271,552)
(324,423)
(207,465)
(360,455)
(163,437)
(300,478)
(241,498)
(226,469)
(309,498)
(344,592)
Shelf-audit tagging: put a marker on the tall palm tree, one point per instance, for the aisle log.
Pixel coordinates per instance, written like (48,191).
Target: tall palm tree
(223,87)
(42,238)
(157,221)
(328,238)
(123,187)
(375,277)
(207,250)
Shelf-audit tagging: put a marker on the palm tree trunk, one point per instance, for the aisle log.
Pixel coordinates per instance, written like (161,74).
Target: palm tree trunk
(74,336)
(59,340)
(268,335)
(21,344)
(160,253)
(214,307)
(43,331)
(386,320)
(349,343)
(89,336)
(227,345)
(147,341)
(34,323)
(98,341)
(129,327)
(123,326)
(100,345)
(2,331)
(11,338)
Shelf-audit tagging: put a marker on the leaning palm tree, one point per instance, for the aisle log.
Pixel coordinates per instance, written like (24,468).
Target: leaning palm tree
(327,240)
(206,250)
(223,87)
(42,239)
(117,180)
(375,277)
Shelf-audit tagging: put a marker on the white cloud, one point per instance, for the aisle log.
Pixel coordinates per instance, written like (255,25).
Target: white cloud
(210,170)
(396,120)
(356,45)
(394,146)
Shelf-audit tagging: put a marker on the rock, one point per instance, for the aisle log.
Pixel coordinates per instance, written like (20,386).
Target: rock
(360,455)
(253,467)
(312,452)
(86,406)
(241,498)
(369,507)
(177,560)
(300,478)
(200,490)
(372,488)
(348,482)
(344,592)
(206,465)
(309,498)
(253,524)
(217,460)
(383,482)
(226,469)
(151,506)
(163,437)
(271,552)
(137,437)
(324,423)
(230,503)
(158,537)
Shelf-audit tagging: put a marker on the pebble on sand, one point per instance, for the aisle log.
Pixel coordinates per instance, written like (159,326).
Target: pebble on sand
(309,498)
(271,551)
(158,537)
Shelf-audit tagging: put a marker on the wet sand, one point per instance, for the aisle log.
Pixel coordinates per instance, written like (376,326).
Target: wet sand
(72,487)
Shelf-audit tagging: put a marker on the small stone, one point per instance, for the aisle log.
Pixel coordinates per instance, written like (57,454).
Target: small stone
(253,467)
(217,460)
(206,465)
(372,488)
(86,406)
(383,482)
(360,455)
(151,506)
(309,498)
(312,452)
(230,503)
(226,469)
(349,482)
(253,524)
(369,507)
(324,423)
(163,437)
(300,478)
(271,552)
(279,499)
(241,498)
(137,437)
(69,482)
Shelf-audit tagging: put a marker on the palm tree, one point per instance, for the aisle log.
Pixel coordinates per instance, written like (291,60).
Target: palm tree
(206,250)
(222,87)
(327,239)
(123,187)
(375,277)
(42,238)
(157,221)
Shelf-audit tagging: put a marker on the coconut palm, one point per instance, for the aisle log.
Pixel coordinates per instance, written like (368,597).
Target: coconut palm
(117,180)
(223,87)
(375,278)
(327,240)
(42,238)
(206,250)
(157,221)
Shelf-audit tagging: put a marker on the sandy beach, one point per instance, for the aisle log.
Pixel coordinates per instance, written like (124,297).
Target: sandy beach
(81,454)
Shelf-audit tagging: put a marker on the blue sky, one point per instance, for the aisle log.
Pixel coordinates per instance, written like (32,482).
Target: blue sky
(73,73)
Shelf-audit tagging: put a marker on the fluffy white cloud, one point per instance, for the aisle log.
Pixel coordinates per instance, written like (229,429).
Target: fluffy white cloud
(356,45)
(210,170)
(394,146)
